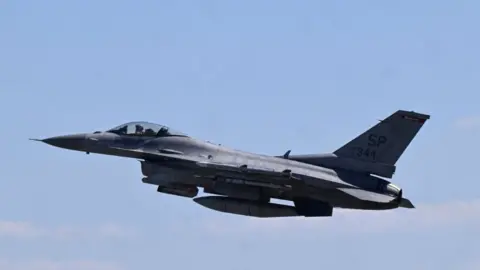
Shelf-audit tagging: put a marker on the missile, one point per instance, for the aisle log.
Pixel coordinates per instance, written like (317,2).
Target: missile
(246,207)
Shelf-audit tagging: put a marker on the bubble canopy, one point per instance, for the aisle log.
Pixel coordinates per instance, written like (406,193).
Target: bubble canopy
(145,129)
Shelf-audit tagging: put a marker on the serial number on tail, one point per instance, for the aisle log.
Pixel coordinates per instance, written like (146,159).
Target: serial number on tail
(365,152)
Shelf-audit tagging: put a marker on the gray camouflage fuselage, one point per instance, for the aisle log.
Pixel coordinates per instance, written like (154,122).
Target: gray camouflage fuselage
(178,164)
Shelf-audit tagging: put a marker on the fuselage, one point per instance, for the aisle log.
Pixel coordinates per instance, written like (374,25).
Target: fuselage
(319,182)
(352,176)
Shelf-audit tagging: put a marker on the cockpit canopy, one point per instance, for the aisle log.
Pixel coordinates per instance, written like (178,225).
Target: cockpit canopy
(144,129)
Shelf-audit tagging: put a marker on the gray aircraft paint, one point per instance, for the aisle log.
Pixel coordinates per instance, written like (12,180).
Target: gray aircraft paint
(178,164)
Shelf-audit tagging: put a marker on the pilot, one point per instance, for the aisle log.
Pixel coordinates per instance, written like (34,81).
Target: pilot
(162,132)
(138,129)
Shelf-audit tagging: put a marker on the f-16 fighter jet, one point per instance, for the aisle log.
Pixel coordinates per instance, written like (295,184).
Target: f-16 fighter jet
(353,177)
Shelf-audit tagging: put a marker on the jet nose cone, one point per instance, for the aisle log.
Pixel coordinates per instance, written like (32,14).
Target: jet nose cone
(72,142)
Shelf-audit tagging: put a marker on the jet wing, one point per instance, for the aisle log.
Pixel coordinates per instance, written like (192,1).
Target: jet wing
(285,177)
(208,168)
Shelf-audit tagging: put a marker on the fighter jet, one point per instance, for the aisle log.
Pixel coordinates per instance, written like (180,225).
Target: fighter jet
(355,176)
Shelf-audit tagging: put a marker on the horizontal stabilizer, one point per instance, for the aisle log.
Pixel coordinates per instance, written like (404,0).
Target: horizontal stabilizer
(333,162)
(406,203)
(365,195)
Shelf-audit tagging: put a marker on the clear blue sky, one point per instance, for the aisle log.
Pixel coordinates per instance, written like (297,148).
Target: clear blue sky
(262,76)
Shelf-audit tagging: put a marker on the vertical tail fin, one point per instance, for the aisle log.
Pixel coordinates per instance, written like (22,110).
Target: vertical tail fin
(386,141)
